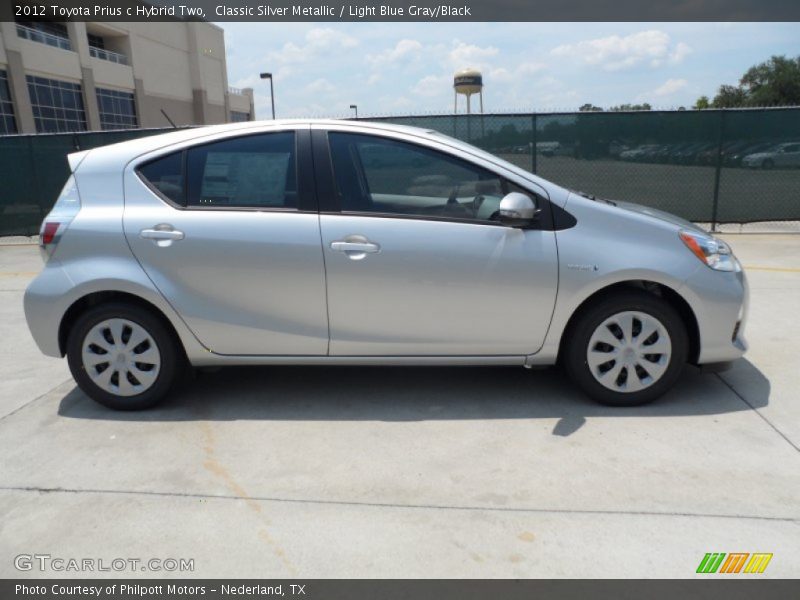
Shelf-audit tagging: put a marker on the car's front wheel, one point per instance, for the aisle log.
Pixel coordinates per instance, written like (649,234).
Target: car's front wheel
(626,349)
(122,356)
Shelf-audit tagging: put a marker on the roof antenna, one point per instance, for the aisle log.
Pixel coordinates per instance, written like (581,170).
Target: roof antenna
(166,116)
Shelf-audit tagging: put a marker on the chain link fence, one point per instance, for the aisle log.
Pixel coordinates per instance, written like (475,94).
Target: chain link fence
(711,166)
(33,169)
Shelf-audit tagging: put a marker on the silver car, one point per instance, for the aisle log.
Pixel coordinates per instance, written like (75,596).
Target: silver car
(335,242)
(782,155)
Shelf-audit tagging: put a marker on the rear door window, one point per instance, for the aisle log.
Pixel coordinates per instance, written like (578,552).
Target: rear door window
(165,175)
(250,171)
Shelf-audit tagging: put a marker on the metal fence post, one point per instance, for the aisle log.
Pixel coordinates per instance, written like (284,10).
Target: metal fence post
(717,172)
(533,142)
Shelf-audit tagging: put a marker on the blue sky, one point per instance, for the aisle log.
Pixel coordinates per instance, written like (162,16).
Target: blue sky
(407,68)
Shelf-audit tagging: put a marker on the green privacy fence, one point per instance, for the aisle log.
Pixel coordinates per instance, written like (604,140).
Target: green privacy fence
(728,166)
(33,169)
(714,166)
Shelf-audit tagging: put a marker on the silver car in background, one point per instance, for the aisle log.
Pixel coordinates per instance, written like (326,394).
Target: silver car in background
(335,242)
(781,155)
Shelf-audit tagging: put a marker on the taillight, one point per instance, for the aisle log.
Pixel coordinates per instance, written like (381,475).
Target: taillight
(56,222)
(49,229)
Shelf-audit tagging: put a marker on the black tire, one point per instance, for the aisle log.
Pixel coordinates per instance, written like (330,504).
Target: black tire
(768,164)
(171,358)
(579,334)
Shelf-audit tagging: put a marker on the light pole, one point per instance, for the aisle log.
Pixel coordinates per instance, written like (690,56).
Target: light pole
(355,108)
(271,91)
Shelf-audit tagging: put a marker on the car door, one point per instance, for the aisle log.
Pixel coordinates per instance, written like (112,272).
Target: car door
(228,231)
(415,265)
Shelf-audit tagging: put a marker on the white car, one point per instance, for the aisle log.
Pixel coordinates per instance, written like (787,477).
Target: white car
(782,155)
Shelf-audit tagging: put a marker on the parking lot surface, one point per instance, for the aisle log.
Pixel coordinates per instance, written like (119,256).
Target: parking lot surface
(409,472)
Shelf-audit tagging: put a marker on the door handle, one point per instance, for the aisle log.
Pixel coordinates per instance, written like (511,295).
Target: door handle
(161,234)
(360,247)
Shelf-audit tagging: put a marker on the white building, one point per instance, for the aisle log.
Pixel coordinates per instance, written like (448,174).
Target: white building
(58,77)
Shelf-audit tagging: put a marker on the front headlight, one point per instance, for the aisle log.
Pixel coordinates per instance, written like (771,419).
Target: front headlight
(711,251)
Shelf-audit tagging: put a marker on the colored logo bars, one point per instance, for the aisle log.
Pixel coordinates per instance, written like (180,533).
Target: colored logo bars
(736,562)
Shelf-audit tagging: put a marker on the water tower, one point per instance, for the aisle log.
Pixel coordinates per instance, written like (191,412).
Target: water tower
(467,82)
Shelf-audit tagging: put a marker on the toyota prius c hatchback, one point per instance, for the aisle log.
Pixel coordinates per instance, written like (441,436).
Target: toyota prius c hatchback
(355,243)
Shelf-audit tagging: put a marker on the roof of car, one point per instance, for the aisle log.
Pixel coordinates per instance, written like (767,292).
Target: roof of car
(131,148)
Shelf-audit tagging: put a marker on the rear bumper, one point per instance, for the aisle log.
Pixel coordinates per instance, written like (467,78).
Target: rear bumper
(43,303)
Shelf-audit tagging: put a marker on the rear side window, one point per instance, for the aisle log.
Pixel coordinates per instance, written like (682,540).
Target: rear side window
(165,174)
(250,171)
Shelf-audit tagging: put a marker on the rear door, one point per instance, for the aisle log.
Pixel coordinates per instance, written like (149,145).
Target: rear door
(229,233)
(415,264)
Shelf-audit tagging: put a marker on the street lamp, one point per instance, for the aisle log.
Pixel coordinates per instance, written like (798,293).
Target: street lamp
(271,91)
(355,108)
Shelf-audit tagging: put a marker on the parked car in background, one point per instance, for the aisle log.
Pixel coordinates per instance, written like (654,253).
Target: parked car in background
(548,148)
(355,243)
(783,155)
(688,155)
(636,154)
(734,159)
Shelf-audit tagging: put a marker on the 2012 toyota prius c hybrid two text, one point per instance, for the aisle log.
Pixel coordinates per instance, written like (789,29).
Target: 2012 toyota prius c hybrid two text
(327,242)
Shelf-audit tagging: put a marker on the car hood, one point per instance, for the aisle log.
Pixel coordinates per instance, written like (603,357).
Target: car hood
(758,155)
(658,214)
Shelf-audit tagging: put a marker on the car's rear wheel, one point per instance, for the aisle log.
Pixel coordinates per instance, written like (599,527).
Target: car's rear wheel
(626,349)
(122,356)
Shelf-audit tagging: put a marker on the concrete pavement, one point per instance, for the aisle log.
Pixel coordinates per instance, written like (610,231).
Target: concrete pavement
(410,472)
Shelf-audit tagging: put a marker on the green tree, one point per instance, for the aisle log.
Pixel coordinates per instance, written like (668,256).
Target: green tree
(729,96)
(775,82)
(626,107)
(588,107)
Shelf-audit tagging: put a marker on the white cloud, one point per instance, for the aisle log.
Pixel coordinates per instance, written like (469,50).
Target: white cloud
(403,49)
(463,55)
(513,74)
(669,87)
(681,51)
(318,41)
(616,52)
(433,85)
(324,37)
(320,86)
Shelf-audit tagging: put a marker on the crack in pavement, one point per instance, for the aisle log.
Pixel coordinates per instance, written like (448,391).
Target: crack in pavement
(29,402)
(354,503)
(755,410)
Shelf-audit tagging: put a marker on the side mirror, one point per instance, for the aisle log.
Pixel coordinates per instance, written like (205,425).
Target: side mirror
(517,210)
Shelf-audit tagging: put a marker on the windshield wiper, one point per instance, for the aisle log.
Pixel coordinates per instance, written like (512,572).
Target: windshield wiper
(595,198)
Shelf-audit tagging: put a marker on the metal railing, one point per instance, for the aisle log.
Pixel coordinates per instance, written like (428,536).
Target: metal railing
(41,37)
(108,55)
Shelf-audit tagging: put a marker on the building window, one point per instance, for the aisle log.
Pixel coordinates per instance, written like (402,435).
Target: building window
(45,32)
(96,41)
(117,109)
(97,49)
(238,116)
(57,105)
(7,122)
